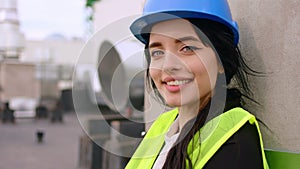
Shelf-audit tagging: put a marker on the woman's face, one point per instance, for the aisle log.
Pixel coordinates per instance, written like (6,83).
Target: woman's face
(183,69)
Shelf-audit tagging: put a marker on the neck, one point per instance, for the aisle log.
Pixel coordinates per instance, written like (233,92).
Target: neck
(190,111)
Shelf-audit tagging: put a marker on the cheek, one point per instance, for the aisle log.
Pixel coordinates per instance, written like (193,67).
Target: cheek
(212,71)
(206,71)
(155,75)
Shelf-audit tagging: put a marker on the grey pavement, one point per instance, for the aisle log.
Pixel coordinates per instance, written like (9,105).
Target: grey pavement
(19,148)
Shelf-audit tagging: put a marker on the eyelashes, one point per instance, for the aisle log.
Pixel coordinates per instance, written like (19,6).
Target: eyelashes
(157,53)
(185,50)
(190,48)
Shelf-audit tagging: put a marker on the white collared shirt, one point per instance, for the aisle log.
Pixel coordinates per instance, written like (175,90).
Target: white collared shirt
(170,138)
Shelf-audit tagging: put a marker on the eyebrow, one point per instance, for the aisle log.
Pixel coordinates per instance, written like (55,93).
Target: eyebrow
(186,38)
(155,44)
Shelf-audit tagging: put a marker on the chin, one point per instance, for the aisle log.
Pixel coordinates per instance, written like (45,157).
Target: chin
(173,104)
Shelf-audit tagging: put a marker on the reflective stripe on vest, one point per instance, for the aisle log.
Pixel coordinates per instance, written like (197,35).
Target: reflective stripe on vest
(213,135)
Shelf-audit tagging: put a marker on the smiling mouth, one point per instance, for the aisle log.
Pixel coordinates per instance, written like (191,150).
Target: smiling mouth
(177,82)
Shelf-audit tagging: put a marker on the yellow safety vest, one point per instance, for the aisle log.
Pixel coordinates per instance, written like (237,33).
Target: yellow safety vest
(211,137)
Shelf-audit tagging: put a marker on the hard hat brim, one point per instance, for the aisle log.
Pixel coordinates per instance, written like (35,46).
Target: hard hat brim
(139,25)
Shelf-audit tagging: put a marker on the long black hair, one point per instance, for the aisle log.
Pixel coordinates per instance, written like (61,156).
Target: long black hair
(221,39)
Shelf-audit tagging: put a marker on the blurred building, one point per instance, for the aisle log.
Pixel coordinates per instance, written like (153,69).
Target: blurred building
(32,70)
(12,40)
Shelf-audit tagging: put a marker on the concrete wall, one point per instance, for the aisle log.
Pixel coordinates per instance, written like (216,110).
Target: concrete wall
(270,40)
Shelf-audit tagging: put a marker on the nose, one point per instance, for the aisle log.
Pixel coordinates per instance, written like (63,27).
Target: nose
(171,63)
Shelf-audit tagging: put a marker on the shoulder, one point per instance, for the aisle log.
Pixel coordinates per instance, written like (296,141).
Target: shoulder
(242,149)
(238,111)
(236,118)
(162,123)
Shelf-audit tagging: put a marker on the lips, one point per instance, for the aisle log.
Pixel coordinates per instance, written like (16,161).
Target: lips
(175,84)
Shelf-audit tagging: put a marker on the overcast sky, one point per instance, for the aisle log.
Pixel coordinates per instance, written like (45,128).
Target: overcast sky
(42,18)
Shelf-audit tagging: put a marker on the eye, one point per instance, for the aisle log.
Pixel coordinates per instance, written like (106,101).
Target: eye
(189,48)
(156,53)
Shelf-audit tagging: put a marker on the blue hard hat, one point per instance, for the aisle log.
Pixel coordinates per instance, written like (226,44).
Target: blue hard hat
(161,10)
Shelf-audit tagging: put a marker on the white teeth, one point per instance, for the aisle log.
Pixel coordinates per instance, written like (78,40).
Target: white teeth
(177,82)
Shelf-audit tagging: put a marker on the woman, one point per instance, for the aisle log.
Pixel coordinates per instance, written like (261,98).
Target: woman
(192,54)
